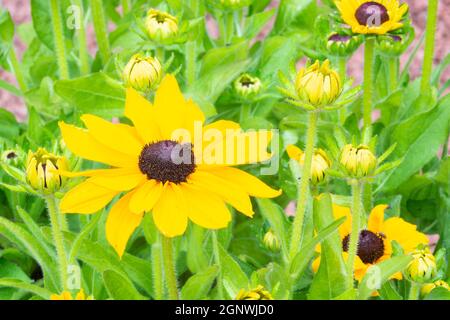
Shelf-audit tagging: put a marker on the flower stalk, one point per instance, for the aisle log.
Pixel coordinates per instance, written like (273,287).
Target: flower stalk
(217,261)
(157,270)
(414,291)
(368,85)
(393,73)
(303,188)
(17,69)
(356,224)
(58,36)
(82,42)
(429,45)
(169,268)
(98,17)
(342,68)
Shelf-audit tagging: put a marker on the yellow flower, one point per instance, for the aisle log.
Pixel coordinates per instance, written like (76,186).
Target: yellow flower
(320,162)
(427,288)
(42,172)
(160,25)
(423,267)
(374,245)
(271,241)
(148,169)
(259,293)
(142,73)
(247,86)
(372,17)
(68,296)
(318,85)
(358,162)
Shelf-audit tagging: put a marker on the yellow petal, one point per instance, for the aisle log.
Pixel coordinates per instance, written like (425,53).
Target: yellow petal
(120,182)
(248,183)
(121,224)
(404,233)
(84,145)
(294,152)
(170,212)
(346,227)
(86,198)
(231,193)
(146,196)
(100,172)
(142,114)
(117,136)
(204,208)
(376,218)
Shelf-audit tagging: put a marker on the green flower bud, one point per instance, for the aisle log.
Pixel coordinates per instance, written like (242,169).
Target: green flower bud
(142,73)
(342,45)
(10,156)
(271,241)
(392,45)
(320,162)
(41,170)
(428,287)
(423,266)
(259,293)
(161,26)
(247,86)
(358,162)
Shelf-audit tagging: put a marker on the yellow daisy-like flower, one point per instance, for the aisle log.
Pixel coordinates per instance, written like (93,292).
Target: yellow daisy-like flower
(372,17)
(374,245)
(66,295)
(258,293)
(160,171)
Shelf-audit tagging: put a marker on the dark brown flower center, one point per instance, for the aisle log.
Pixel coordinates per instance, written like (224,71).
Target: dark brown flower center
(371,14)
(167,161)
(370,246)
(11,155)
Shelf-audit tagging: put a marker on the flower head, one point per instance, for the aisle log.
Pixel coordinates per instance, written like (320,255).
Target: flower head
(42,171)
(66,295)
(10,156)
(374,243)
(423,266)
(161,165)
(318,85)
(258,293)
(271,241)
(427,288)
(358,162)
(247,86)
(320,162)
(142,73)
(372,17)
(342,45)
(161,26)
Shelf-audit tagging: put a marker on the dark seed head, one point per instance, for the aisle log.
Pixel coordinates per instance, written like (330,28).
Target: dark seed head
(167,161)
(371,14)
(370,246)
(11,155)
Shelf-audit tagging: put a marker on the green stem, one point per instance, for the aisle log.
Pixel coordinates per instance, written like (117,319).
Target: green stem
(414,291)
(393,76)
(17,69)
(368,84)
(237,23)
(367,197)
(125,6)
(429,45)
(82,42)
(169,268)
(245,112)
(58,238)
(98,17)
(191,62)
(58,36)
(354,235)
(157,270)
(217,261)
(342,65)
(229,27)
(160,54)
(303,188)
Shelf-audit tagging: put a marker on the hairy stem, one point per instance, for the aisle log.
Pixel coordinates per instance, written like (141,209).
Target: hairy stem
(393,73)
(169,268)
(354,235)
(368,84)
(430,35)
(98,17)
(217,261)
(17,69)
(82,42)
(157,270)
(58,36)
(342,65)
(191,62)
(414,291)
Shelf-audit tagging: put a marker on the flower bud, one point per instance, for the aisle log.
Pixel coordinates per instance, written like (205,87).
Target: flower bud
(10,157)
(318,85)
(161,26)
(358,162)
(271,241)
(423,266)
(320,162)
(394,45)
(247,86)
(342,45)
(142,73)
(428,287)
(42,172)
(259,293)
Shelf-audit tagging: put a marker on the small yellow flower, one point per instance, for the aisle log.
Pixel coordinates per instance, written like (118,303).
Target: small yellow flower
(247,86)
(423,267)
(358,162)
(258,293)
(142,73)
(161,26)
(318,85)
(372,17)
(427,288)
(271,241)
(68,296)
(320,162)
(41,170)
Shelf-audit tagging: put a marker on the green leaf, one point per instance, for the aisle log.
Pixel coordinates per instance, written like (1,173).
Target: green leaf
(234,279)
(10,88)
(274,279)
(388,292)
(197,259)
(119,287)
(378,274)
(256,22)
(330,281)
(198,286)
(12,271)
(18,284)
(6,34)
(418,140)
(96,94)
(9,127)
(438,293)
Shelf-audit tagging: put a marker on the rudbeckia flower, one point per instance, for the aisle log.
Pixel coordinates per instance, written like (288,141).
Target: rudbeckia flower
(372,17)
(375,242)
(66,295)
(151,179)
